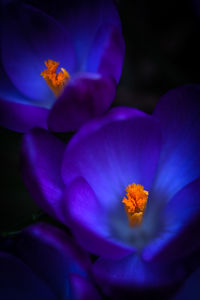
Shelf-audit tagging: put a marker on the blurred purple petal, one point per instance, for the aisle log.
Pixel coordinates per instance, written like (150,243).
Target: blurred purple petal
(20,116)
(16,112)
(83,19)
(86,96)
(132,273)
(107,52)
(178,113)
(17,281)
(82,289)
(190,288)
(53,256)
(41,169)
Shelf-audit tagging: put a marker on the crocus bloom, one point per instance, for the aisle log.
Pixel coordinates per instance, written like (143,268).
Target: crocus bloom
(128,185)
(60,63)
(46,264)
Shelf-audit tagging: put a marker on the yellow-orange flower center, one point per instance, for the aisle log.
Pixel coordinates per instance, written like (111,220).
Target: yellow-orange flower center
(135,203)
(56,81)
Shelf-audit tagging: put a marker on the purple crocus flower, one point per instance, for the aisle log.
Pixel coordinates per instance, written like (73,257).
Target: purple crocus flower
(82,38)
(118,172)
(46,264)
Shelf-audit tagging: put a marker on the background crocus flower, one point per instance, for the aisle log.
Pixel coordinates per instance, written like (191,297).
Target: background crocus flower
(60,62)
(45,264)
(83,185)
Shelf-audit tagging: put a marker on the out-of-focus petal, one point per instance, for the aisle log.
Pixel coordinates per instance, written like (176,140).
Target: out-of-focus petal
(90,16)
(53,256)
(16,112)
(82,289)
(179,115)
(90,223)
(86,96)
(21,117)
(190,289)
(83,20)
(41,169)
(131,273)
(36,37)
(107,52)
(179,235)
(18,282)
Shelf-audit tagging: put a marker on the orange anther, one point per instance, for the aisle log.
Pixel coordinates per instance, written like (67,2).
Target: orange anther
(135,203)
(56,81)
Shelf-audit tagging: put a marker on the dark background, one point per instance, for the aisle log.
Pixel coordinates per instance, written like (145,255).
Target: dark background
(162,52)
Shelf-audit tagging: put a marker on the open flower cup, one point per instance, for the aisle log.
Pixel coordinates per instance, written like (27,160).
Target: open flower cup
(45,263)
(60,63)
(128,186)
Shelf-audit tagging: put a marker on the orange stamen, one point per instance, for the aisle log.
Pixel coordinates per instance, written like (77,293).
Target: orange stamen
(135,203)
(55,81)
